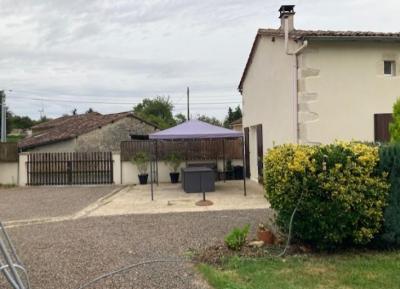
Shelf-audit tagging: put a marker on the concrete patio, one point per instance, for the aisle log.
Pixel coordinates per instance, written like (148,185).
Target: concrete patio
(170,198)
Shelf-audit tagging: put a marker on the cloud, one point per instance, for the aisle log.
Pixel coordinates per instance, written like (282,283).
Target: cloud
(125,50)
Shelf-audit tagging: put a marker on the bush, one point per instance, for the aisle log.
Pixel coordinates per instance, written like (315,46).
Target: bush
(173,161)
(390,163)
(237,238)
(337,189)
(394,126)
(141,160)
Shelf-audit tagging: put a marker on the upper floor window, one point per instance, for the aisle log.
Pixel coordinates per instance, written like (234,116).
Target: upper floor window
(389,68)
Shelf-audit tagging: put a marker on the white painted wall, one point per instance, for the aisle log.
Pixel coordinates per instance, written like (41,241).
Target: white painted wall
(9,173)
(22,173)
(268,97)
(117,169)
(348,86)
(130,172)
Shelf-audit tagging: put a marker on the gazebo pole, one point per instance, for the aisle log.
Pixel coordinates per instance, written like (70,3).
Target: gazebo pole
(186,153)
(151,171)
(244,166)
(156,148)
(223,160)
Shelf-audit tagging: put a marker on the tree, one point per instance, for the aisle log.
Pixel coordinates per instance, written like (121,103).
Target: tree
(394,127)
(232,116)
(180,118)
(211,120)
(90,110)
(157,111)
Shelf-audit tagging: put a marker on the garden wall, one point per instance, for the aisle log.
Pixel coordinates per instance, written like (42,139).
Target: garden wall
(9,173)
(129,172)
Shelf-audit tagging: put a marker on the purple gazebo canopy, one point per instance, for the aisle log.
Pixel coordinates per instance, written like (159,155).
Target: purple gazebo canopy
(195,129)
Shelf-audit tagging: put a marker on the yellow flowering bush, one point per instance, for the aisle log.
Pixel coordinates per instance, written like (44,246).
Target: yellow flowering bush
(337,189)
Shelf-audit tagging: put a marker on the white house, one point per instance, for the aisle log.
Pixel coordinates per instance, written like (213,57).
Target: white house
(302,86)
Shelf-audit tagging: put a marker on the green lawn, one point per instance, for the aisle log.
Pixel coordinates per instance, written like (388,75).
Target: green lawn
(366,271)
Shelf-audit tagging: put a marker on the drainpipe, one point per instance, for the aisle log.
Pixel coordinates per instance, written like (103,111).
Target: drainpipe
(295,77)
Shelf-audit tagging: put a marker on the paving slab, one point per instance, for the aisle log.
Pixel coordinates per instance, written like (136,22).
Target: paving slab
(170,198)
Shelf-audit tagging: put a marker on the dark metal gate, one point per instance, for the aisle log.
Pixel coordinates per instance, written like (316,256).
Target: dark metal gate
(77,168)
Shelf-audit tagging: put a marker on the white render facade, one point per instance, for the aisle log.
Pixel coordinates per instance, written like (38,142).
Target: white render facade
(324,86)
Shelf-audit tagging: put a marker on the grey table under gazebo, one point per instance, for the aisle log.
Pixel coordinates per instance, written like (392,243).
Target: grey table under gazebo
(198,180)
(195,129)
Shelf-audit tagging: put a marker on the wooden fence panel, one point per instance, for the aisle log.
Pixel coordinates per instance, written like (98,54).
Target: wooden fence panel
(8,152)
(75,168)
(192,150)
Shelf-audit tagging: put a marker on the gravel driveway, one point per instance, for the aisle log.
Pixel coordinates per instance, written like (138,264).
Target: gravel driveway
(64,255)
(42,202)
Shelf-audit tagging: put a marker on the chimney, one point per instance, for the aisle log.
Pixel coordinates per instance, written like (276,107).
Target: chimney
(287,16)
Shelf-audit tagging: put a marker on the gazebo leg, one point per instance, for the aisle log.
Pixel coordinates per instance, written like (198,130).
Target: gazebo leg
(151,179)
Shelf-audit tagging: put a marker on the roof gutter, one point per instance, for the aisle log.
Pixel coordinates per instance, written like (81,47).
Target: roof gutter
(352,38)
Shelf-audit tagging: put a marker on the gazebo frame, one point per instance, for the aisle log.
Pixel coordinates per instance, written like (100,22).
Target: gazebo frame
(194,130)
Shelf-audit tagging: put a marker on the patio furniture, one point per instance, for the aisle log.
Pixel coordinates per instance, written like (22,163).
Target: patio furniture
(212,166)
(195,130)
(198,180)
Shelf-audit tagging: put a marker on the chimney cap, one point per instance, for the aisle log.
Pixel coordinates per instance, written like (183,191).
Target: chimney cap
(286,10)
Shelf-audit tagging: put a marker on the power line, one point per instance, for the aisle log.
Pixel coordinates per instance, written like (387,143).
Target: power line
(113,103)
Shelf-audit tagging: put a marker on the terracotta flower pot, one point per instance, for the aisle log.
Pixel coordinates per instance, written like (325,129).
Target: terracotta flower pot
(266,236)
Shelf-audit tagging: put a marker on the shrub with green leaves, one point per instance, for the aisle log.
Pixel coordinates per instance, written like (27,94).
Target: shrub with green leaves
(173,161)
(338,192)
(394,126)
(141,160)
(390,163)
(237,238)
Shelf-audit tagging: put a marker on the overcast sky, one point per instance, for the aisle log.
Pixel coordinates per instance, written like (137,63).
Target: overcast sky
(68,52)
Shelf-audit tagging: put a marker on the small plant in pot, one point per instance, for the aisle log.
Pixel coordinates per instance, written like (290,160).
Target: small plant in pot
(173,161)
(141,160)
(265,235)
(229,170)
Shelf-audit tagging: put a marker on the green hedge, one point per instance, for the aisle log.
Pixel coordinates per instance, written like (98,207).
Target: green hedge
(339,193)
(390,163)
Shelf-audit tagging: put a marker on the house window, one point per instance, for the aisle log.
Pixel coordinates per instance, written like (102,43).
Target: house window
(389,68)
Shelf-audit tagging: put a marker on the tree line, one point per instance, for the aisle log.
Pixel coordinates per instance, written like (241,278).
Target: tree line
(158,110)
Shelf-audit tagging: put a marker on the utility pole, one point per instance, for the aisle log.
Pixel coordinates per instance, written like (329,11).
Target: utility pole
(188,111)
(3,116)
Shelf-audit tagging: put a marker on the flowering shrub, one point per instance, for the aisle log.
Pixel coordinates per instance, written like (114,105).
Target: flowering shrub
(338,192)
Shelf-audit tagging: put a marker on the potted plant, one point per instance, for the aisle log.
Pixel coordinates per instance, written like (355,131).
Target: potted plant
(265,235)
(173,161)
(141,160)
(229,170)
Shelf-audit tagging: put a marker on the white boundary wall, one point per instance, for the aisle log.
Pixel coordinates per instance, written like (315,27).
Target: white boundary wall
(9,173)
(125,173)
(129,172)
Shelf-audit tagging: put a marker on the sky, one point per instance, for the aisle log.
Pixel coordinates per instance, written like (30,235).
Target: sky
(57,55)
